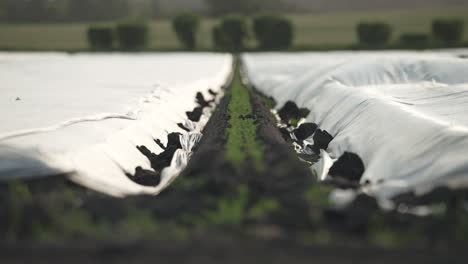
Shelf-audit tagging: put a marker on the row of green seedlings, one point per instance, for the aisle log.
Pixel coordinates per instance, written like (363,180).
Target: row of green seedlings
(447,32)
(271,32)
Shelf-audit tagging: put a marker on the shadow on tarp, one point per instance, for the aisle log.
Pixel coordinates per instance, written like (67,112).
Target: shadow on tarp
(18,163)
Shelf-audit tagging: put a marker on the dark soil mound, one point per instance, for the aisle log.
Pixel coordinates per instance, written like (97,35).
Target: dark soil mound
(200,99)
(305,130)
(322,139)
(145,177)
(196,114)
(290,111)
(349,166)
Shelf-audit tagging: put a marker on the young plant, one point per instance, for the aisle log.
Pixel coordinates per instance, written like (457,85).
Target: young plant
(241,134)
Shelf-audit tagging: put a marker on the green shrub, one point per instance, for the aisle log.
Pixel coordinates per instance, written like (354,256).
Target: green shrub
(449,31)
(414,40)
(186,27)
(273,32)
(231,33)
(132,36)
(100,38)
(374,34)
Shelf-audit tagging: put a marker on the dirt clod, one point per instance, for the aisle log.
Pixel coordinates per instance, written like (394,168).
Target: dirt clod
(145,177)
(349,166)
(196,114)
(305,130)
(290,111)
(322,139)
(200,99)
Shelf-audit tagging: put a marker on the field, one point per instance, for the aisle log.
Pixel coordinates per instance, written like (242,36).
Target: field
(206,154)
(312,31)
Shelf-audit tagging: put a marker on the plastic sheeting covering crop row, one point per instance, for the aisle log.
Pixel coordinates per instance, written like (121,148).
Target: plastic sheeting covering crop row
(83,115)
(404,113)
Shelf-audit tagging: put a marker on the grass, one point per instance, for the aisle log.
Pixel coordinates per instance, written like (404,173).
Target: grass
(241,134)
(339,28)
(313,31)
(19,197)
(72,37)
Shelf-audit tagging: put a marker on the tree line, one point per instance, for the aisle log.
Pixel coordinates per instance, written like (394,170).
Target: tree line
(444,33)
(272,32)
(33,11)
(16,11)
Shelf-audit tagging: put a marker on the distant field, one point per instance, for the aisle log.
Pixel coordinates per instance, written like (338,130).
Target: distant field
(332,29)
(339,28)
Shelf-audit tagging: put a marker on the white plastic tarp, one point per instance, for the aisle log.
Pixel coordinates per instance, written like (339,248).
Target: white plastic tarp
(84,114)
(404,113)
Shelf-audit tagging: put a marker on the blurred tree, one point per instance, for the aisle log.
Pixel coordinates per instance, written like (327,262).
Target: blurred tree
(100,38)
(154,8)
(12,10)
(374,34)
(231,33)
(2,10)
(449,31)
(26,10)
(132,36)
(273,32)
(36,10)
(219,39)
(94,10)
(57,10)
(186,27)
(70,10)
(138,9)
(414,40)
(98,10)
(223,7)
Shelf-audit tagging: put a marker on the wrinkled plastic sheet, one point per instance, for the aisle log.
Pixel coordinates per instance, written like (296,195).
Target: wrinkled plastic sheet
(83,115)
(404,113)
